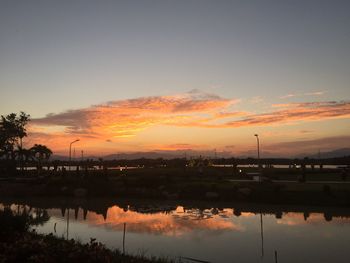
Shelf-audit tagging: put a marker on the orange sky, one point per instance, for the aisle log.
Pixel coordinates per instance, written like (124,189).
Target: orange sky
(131,76)
(194,121)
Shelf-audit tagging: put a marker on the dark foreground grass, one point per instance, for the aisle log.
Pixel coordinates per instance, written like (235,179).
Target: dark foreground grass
(18,244)
(35,248)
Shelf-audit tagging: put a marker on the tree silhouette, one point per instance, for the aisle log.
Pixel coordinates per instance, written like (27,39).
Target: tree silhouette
(40,153)
(12,132)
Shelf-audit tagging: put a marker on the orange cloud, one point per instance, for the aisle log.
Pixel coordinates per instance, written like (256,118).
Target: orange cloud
(310,111)
(126,118)
(122,119)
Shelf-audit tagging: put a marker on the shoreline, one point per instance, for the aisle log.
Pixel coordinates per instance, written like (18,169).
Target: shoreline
(322,194)
(278,186)
(100,205)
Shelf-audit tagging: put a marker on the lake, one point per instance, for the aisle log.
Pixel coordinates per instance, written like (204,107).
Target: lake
(211,232)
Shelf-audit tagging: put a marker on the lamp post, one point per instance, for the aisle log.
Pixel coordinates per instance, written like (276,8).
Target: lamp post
(261,217)
(258,146)
(70,152)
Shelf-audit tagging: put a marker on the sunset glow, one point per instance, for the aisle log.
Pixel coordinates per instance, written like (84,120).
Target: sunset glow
(176,76)
(116,125)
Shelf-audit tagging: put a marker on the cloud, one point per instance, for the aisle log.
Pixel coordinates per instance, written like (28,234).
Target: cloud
(288,96)
(122,119)
(125,118)
(296,148)
(297,112)
(223,115)
(314,93)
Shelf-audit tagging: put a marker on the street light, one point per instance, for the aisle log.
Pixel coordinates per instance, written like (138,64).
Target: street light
(70,152)
(69,165)
(258,145)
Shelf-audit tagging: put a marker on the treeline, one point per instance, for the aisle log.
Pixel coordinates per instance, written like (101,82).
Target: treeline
(12,152)
(181,162)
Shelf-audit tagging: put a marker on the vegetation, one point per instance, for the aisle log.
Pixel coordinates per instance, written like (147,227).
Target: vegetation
(40,153)
(21,220)
(12,132)
(213,183)
(12,154)
(178,178)
(17,244)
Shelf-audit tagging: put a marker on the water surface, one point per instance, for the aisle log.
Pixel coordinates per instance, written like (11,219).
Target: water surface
(239,233)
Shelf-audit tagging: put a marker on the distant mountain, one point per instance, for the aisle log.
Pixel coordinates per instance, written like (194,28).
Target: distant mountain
(331,154)
(205,154)
(153,155)
(138,155)
(253,154)
(167,154)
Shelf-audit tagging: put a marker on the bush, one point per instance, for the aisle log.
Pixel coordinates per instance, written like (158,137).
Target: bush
(34,248)
(10,222)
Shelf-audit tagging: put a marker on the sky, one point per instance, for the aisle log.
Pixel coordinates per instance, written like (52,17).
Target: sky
(129,76)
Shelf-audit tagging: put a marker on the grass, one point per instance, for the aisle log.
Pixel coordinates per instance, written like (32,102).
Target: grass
(17,244)
(32,247)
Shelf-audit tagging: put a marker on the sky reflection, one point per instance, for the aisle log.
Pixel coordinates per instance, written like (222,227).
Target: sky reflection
(302,234)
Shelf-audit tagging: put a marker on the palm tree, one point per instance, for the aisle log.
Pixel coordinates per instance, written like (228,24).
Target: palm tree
(40,153)
(24,155)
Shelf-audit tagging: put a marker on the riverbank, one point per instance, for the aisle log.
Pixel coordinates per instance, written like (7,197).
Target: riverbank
(34,248)
(101,205)
(278,186)
(172,228)
(19,244)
